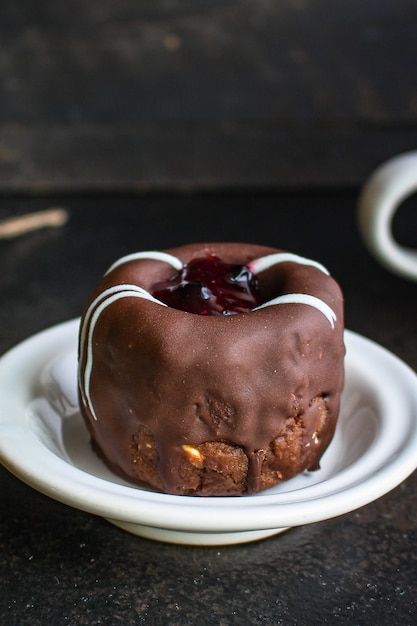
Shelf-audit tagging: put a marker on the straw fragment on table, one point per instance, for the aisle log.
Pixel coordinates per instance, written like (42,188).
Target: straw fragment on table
(16,226)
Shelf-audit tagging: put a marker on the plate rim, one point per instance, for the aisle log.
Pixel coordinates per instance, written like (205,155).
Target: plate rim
(79,489)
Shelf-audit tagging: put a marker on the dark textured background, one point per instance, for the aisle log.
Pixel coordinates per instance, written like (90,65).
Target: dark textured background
(202,94)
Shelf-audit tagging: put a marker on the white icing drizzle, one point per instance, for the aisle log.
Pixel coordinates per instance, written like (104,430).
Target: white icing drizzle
(118,292)
(94,311)
(302,298)
(265,262)
(172,260)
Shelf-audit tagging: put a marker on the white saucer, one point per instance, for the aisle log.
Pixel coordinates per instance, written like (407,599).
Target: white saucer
(44,442)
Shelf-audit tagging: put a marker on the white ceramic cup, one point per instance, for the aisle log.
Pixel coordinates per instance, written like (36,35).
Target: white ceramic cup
(384,192)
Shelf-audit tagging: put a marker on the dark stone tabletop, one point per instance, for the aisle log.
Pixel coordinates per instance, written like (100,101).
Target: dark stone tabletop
(62,566)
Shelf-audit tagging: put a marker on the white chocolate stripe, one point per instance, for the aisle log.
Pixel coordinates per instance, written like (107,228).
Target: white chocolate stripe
(302,298)
(102,302)
(103,296)
(128,290)
(174,261)
(265,262)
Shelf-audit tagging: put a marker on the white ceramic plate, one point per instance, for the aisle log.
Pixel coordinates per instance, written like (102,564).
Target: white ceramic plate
(44,442)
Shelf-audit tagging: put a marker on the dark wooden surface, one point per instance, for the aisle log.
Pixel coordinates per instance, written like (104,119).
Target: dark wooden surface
(64,567)
(181,94)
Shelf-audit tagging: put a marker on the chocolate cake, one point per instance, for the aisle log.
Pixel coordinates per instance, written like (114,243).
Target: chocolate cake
(212,369)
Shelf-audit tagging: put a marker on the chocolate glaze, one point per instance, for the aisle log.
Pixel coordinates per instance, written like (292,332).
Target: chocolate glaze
(192,379)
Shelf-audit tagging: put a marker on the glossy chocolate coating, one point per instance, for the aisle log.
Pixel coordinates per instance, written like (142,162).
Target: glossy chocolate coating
(192,379)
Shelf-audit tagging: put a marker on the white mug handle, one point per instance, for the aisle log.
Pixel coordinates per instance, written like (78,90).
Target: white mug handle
(380,198)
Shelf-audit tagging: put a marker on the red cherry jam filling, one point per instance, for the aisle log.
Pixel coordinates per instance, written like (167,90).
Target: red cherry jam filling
(210,287)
